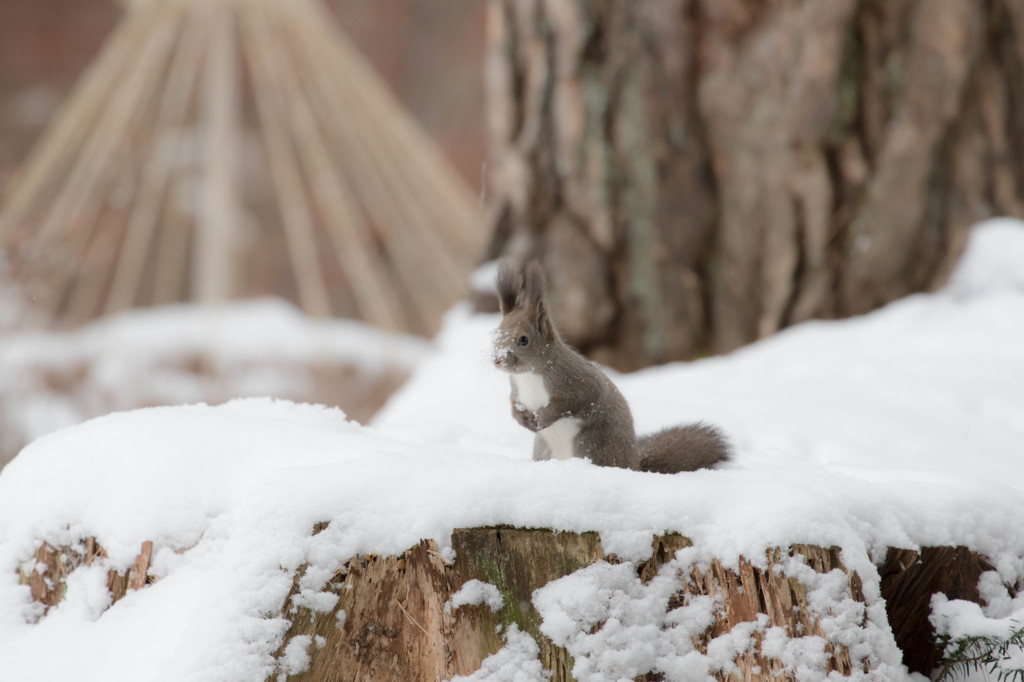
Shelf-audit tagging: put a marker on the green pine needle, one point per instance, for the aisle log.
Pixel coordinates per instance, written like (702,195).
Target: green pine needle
(973,652)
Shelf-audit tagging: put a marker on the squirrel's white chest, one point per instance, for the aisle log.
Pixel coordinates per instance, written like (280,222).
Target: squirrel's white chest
(531,392)
(560,437)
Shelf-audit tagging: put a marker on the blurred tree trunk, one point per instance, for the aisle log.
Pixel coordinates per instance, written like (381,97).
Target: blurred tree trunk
(696,175)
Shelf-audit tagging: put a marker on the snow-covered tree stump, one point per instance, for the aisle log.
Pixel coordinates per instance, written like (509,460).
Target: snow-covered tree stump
(909,578)
(396,625)
(47,577)
(399,624)
(423,616)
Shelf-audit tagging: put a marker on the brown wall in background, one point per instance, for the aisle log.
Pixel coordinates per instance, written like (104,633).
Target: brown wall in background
(429,52)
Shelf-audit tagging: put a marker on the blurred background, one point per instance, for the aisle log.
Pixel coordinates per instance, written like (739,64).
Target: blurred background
(428,53)
(203,199)
(59,362)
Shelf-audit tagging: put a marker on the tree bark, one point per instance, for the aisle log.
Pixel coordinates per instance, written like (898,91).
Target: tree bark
(909,578)
(396,626)
(697,175)
(47,580)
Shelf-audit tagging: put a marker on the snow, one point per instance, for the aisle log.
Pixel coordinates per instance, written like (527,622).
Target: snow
(632,640)
(296,658)
(476,592)
(235,332)
(178,354)
(993,263)
(639,633)
(517,661)
(484,278)
(904,427)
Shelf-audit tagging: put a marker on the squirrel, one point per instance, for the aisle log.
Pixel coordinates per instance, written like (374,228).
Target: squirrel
(570,404)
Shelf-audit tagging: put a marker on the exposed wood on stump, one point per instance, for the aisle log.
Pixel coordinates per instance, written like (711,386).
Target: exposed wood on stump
(47,578)
(698,175)
(390,621)
(393,624)
(517,562)
(909,579)
(396,626)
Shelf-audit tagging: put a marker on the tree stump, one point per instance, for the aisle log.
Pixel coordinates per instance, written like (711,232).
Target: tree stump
(47,579)
(392,618)
(396,625)
(909,579)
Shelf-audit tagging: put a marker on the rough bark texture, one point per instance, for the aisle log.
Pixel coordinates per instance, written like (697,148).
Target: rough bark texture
(697,175)
(909,579)
(396,626)
(752,591)
(47,578)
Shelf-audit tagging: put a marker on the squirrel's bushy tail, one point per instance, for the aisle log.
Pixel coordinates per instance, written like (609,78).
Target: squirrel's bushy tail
(683,448)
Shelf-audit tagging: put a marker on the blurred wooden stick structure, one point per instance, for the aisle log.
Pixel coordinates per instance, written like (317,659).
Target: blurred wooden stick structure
(220,149)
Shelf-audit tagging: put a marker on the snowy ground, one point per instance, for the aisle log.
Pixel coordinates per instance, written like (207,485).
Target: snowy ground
(902,428)
(186,354)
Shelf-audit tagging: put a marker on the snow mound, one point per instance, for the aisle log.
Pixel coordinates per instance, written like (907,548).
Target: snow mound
(186,353)
(993,260)
(246,331)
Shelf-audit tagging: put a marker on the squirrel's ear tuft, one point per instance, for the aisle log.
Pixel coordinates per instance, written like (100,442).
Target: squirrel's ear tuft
(534,276)
(510,283)
(534,290)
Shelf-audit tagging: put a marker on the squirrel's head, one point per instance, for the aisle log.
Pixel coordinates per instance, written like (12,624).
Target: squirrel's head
(523,340)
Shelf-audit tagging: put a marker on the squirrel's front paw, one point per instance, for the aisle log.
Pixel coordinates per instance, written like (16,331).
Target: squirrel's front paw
(526,418)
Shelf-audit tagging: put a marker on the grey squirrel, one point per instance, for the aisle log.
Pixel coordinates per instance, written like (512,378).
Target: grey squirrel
(572,406)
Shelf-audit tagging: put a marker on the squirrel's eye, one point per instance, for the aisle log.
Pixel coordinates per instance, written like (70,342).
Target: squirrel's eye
(522,341)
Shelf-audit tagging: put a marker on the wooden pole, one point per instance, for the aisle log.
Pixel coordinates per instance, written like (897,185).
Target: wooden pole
(122,107)
(171,268)
(81,198)
(165,153)
(64,138)
(287,179)
(398,221)
(424,262)
(377,300)
(394,129)
(216,253)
